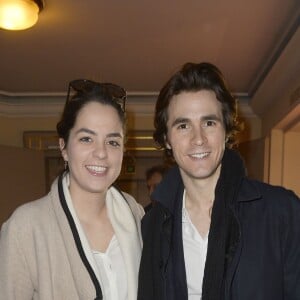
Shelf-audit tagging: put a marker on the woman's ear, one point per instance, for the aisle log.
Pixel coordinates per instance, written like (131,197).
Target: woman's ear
(62,147)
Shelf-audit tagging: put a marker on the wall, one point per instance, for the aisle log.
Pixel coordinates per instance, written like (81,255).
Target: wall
(284,162)
(279,92)
(291,162)
(253,154)
(134,183)
(11,129)
(22,178)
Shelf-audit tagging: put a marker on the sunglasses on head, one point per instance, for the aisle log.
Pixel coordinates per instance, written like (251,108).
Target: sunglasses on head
(117,93)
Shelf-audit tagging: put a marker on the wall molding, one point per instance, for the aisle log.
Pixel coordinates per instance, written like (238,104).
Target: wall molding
(140,105)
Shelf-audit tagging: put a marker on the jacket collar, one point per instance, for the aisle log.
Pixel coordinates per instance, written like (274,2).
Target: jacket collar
(171,187)
(249,191)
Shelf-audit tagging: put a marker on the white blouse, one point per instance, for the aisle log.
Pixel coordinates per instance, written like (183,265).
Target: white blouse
(112,271)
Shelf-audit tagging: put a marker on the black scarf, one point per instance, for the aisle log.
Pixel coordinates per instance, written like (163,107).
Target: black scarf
(224,231)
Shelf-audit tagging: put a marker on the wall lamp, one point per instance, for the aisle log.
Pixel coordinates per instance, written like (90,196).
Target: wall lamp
(19,14)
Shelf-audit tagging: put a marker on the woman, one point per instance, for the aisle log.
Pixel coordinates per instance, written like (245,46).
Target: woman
(82,240)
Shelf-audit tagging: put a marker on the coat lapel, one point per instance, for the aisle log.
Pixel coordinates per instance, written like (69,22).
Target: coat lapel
(83,282)
(127,233)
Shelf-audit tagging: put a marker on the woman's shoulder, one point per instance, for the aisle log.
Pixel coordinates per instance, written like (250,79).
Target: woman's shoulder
(29,213)
(136,208)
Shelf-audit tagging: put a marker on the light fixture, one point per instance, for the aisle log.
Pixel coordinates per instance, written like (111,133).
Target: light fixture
(19,14)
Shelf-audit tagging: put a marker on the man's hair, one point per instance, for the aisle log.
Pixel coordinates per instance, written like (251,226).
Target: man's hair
(161,169)
(193,78)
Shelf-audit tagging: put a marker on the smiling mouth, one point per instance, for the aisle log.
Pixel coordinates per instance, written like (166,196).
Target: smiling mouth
(199,155)
(96,169)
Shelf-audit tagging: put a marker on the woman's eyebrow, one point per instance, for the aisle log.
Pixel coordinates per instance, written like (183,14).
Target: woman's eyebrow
(89,131)
(114,134)
(85,130)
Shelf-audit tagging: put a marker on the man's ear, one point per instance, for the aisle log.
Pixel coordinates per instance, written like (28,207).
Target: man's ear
(62,147)
(168,146)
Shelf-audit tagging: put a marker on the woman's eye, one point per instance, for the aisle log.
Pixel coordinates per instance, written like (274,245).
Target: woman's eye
(85,139)
(114,143)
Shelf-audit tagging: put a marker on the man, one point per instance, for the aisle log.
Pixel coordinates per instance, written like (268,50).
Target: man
(213,233)
(154,176)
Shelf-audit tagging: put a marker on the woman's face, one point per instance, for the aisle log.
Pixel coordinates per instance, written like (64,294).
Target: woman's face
(95,149)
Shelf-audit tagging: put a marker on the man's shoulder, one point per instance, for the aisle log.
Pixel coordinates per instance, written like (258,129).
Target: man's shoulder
(264,187)
(267,192)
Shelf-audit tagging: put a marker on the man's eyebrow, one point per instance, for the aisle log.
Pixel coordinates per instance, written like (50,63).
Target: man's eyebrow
(179,121)
(211,117)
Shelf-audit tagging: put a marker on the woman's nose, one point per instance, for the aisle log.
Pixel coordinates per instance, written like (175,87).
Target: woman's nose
(100,150)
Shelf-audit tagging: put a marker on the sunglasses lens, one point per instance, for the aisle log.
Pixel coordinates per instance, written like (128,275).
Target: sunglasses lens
(82,85)
(117,93)
(115,90)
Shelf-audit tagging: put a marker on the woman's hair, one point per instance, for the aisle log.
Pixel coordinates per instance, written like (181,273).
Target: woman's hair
(96,92)
(192,78)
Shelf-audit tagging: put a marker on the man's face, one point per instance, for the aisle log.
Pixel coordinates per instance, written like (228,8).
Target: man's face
(196,134)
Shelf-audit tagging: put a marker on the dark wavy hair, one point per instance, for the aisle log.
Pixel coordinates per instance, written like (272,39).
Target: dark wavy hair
(193,77)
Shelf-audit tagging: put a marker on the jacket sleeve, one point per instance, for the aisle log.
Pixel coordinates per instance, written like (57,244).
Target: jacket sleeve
(291,249)
(15,282)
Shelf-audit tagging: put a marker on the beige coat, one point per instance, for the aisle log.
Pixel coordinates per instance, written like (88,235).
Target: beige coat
(39,258)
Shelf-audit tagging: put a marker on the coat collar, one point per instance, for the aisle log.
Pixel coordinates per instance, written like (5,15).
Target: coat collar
(84,284)
(171,187)
(249,191)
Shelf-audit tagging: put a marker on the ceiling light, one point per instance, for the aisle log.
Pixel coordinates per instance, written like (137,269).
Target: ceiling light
(19,14)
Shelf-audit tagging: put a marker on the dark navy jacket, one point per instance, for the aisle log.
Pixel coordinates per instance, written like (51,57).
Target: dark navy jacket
(265,264)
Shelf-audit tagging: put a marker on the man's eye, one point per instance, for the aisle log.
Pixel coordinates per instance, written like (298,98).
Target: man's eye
(210,123)
(182,126)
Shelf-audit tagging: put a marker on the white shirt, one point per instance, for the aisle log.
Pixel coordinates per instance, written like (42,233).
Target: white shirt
(112,271)
(195,249)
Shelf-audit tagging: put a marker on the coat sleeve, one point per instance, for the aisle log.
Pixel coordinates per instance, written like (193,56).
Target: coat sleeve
(15,279)
(291,250)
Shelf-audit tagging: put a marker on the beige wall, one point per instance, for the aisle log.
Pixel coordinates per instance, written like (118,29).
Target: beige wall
(135,183)
(22,177)
(11,129)
(284,162)
(291,162)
